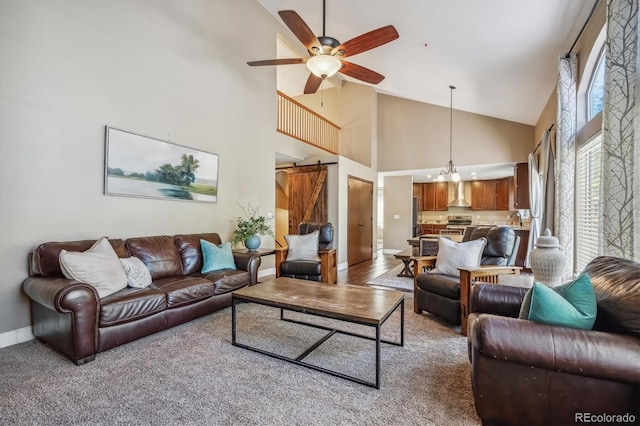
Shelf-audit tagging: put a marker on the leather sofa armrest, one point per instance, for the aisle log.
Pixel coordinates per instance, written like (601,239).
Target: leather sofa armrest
(65,315)
(62,295)
(589,353)
(503,300)
(250,263)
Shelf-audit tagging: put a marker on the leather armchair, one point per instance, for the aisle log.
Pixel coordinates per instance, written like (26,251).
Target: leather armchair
(448,296)
(323,271)
(555,373)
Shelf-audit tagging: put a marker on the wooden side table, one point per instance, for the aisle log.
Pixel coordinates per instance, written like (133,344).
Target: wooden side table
(259,252)
(405,256)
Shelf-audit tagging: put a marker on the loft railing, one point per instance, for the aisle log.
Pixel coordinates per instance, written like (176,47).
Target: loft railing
(299,122)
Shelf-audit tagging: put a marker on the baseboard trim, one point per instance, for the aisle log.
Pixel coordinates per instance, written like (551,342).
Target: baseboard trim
(13,337)
(266,271)
(390,251)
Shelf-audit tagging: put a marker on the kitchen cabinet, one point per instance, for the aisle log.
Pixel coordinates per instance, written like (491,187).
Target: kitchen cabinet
(434,196)
(521,256)
(483,194)
(432,228)
(521,186)
(493,194)
(505,198)
(417,194)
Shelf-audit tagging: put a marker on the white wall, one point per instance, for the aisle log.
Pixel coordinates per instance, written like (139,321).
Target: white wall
(415,135)
(169,70)
(398,198)
(348,168)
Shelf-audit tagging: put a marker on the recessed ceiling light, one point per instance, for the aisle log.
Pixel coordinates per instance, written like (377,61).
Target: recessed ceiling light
(429,176)
(474,177)
(473,173)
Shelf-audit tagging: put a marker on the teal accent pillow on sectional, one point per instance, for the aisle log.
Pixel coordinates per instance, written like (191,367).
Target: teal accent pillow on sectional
(215,258)
(572,304)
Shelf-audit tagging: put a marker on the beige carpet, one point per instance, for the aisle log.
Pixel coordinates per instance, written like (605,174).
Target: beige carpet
(392,280)
(192,375)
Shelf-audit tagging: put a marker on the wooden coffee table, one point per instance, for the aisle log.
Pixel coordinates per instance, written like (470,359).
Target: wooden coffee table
(348,303)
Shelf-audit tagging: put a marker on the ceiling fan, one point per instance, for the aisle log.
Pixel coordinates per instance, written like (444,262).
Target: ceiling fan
(327,53)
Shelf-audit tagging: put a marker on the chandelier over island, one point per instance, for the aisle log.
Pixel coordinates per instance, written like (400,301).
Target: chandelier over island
(450,168)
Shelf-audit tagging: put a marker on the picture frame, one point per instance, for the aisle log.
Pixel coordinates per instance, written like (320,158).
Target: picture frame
(145,167)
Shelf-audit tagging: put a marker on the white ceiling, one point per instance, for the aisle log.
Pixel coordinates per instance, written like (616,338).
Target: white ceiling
(500,54)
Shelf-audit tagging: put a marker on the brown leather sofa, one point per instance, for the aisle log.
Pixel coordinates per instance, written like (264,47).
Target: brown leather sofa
(525,372)
(70,317)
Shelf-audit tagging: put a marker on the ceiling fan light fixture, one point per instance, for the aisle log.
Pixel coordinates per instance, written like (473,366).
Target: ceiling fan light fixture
(324,65)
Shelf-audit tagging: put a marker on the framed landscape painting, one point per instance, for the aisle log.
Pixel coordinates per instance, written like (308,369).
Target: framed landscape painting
(139,166)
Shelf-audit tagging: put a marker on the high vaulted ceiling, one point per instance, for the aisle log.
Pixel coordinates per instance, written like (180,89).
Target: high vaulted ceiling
(500,54)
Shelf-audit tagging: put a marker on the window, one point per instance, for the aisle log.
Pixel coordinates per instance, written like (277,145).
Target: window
(595,92)
(588,201)
(588,167)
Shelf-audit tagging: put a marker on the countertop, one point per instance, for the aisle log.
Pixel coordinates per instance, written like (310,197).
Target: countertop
(496,223)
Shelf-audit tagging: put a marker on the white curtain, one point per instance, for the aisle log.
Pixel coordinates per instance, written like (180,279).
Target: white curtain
(621,138)
(565,151)
(547,163)
(535,204)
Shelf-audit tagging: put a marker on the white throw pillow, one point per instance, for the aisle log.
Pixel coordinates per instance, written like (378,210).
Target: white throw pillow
(99,266)
(452,255)
(303,247)
(138,276)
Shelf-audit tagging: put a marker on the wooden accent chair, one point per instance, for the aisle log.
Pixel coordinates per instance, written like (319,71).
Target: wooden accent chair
(325,270)
(447,296)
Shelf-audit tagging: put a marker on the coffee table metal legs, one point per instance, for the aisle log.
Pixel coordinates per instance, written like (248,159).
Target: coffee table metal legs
(299,360)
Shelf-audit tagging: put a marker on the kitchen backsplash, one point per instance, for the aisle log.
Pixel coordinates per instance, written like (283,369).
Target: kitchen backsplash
(484,217)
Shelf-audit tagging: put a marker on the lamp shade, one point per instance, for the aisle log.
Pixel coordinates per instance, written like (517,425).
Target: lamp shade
(324,65)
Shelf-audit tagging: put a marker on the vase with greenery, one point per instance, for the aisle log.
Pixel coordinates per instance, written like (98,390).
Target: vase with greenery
(250,227)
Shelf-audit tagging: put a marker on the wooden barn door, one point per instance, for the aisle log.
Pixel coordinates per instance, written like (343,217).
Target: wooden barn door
(359,221)
(307,195)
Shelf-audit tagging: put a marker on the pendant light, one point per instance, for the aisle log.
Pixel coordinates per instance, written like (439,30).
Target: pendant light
(450,169)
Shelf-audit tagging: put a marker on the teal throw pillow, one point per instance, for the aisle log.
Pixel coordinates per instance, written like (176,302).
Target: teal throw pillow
(572,304)
(215,258)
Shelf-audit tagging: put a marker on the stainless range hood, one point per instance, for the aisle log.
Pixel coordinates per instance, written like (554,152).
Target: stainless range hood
(458,198)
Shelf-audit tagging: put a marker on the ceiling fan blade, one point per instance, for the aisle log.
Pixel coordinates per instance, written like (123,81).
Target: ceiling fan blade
(300,29)
(313,83)
(367,41)
(361,73)
(277,62)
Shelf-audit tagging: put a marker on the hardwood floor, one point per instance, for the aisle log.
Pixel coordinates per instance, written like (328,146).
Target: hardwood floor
(362,272)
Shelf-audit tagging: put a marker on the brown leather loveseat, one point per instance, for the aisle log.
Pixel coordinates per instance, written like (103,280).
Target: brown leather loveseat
(71,317)
(524,372)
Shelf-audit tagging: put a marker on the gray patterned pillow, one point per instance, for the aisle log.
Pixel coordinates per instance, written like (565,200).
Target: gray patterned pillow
(138,275)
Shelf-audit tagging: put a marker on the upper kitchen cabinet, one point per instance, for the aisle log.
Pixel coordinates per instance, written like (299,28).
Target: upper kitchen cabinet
(521,186)
(494,194)
(505,198)
(483,194)
(434,196)
(417,193)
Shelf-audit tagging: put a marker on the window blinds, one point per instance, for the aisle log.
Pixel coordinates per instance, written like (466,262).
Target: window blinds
(588,234)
